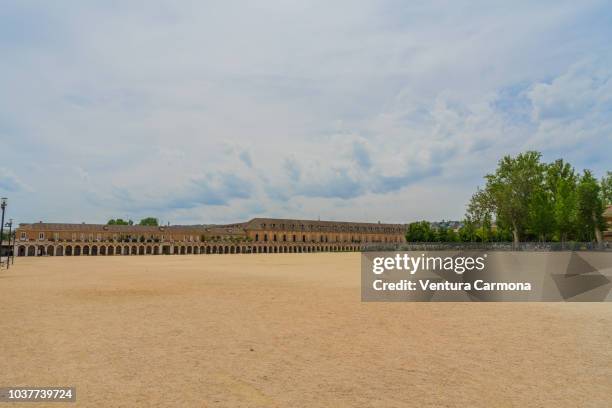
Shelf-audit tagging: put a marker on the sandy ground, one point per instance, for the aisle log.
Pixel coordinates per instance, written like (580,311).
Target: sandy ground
(285,330)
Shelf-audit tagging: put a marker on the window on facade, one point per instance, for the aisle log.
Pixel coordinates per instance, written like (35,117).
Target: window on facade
(256,237)
(99,237)
(303,238)
(265,237)
(82,237)
(114,237)
(56,236)
(23,236)
(293,237)
(91,237)
(41,235)
(284,237)
(274,239)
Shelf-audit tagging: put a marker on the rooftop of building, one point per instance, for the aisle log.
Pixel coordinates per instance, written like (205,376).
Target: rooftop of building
(255,223)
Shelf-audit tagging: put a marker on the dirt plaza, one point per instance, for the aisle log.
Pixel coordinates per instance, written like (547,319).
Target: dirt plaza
(285,330)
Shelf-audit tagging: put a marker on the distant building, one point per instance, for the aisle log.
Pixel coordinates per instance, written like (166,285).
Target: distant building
(260,235)
(450,225)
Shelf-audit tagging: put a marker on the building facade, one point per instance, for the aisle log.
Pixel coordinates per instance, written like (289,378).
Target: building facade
(260,235)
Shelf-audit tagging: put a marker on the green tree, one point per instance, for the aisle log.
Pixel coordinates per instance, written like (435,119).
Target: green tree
(467,232)
(451,236)
(541,218)
(479,212)
(150,221)
(565,208)
(420,232)
(511,189)
(589,208)
(441,234)
(119,221)
(606,189)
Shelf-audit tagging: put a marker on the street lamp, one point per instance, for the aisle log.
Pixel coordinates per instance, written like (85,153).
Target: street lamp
(3,206)
(9,224)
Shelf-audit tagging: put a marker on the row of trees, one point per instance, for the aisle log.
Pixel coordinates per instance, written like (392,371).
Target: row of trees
(150,221)
(541,201)
(423,231)
(528,200)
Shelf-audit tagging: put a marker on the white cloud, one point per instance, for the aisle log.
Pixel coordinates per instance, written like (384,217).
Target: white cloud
(215,112)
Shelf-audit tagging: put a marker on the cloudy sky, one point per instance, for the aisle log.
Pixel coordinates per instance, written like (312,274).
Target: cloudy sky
(212,112)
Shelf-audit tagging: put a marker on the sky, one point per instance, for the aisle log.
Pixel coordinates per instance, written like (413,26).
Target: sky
(199,112)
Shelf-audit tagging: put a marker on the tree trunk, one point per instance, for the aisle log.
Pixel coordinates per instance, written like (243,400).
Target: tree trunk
(515,235)
(598,236)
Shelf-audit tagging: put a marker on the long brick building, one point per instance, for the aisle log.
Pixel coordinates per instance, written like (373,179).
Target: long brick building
(259,235)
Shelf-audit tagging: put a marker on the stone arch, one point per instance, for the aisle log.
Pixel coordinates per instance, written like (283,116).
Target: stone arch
(21,250)
(232,249)
(208,249)
(102,249)
(86,250)
(202,249)
(31,250)
(183,250)
(94,250)
(141,250)
(149,250)
(68,250)
(117,250)
(196,250)
(59,250)
(111,250)
(77,250)
(238,250)
(155,250)
(126,250)
(50,250)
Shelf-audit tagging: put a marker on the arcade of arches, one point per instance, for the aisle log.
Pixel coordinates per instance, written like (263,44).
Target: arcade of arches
(256,236)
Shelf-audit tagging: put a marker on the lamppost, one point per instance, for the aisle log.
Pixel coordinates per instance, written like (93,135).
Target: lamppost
(3,206)
(9,224)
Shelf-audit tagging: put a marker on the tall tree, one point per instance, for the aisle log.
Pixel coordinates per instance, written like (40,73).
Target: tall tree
(541,219)
(565,201)
(511,189)
(589,207)
(480,214)
(606,189)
